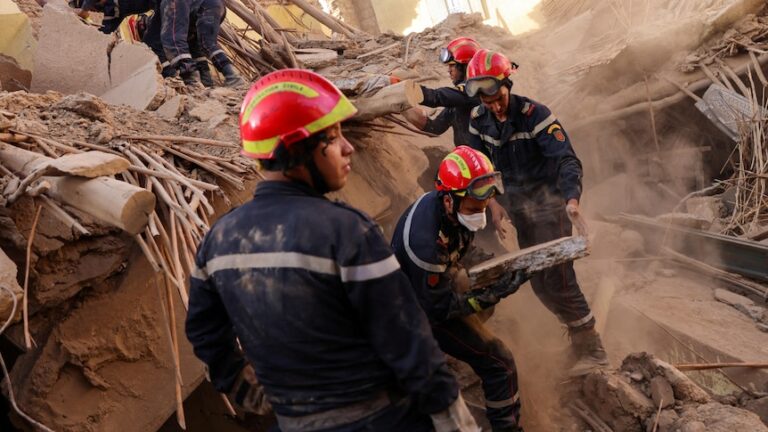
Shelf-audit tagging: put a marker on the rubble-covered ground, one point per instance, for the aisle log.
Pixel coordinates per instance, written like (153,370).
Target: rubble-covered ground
(102,361)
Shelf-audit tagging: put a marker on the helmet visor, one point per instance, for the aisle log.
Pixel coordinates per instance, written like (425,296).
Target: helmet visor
(446,56)
(485,85)
(486,186)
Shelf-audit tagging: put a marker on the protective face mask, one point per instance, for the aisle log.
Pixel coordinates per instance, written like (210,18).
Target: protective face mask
(472,222)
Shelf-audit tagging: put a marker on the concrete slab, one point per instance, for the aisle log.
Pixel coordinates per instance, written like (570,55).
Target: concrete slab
(71,56)
(127,58)
(143,90)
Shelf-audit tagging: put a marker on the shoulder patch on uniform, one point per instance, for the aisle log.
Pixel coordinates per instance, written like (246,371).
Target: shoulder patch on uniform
(556,131)
(528,109)
(477,111)
(433,279)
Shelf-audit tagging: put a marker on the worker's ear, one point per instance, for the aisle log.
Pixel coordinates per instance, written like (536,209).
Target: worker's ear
(448,203)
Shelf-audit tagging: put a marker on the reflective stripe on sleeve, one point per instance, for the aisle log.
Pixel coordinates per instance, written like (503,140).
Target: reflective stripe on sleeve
(543,124)
(434,268)
(371,271)
(502,403)
(581,322)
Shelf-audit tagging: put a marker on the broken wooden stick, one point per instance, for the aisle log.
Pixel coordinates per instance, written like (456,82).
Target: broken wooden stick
(392,99)
(181,139)
(708,366)
(532,259)
(25,304)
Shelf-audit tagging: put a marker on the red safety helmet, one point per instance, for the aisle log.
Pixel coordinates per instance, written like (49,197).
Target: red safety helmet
(468,172)
(287,106)
(459,50)
(487,71)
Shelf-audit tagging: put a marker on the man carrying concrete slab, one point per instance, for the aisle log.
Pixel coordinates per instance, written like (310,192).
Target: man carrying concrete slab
(430,239)
(309,286)
(542,181)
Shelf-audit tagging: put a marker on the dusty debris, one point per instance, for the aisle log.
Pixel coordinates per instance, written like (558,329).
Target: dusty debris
(629,399)
(86,105)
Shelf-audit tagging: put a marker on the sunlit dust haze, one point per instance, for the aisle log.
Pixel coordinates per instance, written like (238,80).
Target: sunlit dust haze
(512,14)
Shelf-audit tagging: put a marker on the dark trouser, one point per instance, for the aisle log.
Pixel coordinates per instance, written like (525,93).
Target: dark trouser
(176,16)
(209,18)
(400,416)
(468,340)
(556,287)
(152,38)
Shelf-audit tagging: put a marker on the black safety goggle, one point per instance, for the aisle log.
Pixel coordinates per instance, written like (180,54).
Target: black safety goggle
(488,86)
(446,56)
(484,187)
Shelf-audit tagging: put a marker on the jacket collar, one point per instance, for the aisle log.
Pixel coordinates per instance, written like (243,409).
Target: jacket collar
(276,187)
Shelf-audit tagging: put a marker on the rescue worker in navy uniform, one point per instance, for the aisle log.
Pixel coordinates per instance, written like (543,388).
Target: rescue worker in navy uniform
(542,180)
(457,105)
(310,287)
(430,239)
(177,16)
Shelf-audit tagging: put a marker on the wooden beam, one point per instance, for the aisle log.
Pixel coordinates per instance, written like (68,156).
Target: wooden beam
(323,18)
(114,202)
(532,259)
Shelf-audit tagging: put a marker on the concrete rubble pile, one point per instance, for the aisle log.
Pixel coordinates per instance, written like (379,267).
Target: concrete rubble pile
(647,394)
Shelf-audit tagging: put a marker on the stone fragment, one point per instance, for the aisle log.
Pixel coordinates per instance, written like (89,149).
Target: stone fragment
(172,108)
(207,110)
(661,392)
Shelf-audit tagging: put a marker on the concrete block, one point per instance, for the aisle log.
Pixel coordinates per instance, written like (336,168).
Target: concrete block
(71,56)
(661,392)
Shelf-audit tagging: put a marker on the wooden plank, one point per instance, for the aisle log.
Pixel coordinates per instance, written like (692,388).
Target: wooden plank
(532,259)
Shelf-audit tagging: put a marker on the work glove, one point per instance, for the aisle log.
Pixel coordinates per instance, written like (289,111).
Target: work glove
(456,418)
(509,283)
(248,394)
(480,299)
